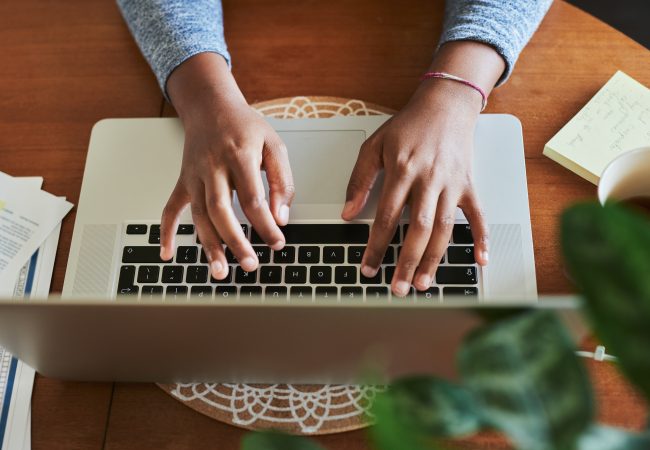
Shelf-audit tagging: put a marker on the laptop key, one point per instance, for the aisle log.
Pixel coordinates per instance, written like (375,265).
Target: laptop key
(151,291)
(172,274)
(185,229)
(389,271)
(320,275)
(187,254)
(351,292)
(374,280)
(428,294)
(355,253)
(327,292)
(389,256)
(462,234)
(285,256)
(176,292)
(460,291)
(332,233)
(148,274)
(333,255)
(230,257)
(127,276)
(376,292)
(345,275)
(243,277)
(142,254)
(458,254)
(154,238)
(226,280)
(295,274)
(275,292)
(250,291)
(263,253)
(225,291)
(197,274)
(456,275)
(270,274)
(308,255)
(301,292)
(201,291)
(136,229)
(128,290)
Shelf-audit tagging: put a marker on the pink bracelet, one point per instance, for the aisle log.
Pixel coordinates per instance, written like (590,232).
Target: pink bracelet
(447,76)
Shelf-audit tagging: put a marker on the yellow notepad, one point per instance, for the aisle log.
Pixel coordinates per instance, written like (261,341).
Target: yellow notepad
(615,120)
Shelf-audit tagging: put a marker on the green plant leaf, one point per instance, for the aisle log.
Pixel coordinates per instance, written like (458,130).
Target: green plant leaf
(600,437)
(435,406)
(527,380)
(391,431)
(275,440)
(607,250)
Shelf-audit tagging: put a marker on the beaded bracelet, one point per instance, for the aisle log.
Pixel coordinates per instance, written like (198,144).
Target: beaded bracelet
(447,76)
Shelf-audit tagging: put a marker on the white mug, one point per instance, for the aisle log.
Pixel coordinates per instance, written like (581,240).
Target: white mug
(626,177)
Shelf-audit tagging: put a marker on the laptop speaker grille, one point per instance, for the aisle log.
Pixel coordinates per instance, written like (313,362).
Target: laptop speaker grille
(94,265)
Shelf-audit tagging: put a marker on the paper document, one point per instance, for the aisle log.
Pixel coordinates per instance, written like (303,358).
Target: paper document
(615,120)
(16,378)
(27,217)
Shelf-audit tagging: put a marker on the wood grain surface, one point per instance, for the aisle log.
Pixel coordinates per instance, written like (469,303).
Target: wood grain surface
(66,65)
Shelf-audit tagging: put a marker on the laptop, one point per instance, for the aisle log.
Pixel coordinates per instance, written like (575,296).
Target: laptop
(252,339)
(132,166)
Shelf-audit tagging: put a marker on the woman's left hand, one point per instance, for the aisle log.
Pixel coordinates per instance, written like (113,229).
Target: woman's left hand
(426,153)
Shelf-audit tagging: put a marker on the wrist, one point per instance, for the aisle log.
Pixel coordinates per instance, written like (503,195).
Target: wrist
(203,84)
(450,96)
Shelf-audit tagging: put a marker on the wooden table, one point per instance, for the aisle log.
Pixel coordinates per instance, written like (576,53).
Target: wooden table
(65,65)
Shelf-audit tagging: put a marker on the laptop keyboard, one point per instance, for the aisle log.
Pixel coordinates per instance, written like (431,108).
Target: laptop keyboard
(319,261)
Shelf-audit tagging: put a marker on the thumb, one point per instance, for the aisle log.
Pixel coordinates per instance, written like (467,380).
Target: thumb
(275,162)
(362,178)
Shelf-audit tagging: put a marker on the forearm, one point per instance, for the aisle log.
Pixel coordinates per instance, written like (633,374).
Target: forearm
(202,83)
(169,32)
(505,25)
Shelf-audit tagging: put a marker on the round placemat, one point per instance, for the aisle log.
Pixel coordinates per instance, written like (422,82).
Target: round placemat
(299,409)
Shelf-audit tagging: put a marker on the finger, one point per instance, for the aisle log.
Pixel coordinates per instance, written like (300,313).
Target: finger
(442,229)
(210,240)
(250,191)
(424,201)
(171,215)
(362,178)
(219,209)
(478,224)
(393,196)
(278,175)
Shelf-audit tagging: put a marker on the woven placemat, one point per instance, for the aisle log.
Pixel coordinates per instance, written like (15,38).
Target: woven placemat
(299,409)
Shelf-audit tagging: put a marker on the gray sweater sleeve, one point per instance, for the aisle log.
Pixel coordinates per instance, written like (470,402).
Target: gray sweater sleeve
(170,31)
(506,25)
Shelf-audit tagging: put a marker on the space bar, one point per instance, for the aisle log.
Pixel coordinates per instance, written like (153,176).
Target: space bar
(333,233)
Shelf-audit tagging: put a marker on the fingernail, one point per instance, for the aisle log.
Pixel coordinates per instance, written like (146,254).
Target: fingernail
(278,245)
(216,268)
(424,280)
(283,214)
(484,256)
(248,263)
(368,271)
(402,287)
(163,251)
(347,208)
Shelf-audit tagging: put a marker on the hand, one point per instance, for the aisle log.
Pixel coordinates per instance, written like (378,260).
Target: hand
(226,146)
(426,153)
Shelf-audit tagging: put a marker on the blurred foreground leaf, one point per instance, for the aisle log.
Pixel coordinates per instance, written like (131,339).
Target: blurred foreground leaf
(274,440)
(607,438)
(607,250)
(528,381)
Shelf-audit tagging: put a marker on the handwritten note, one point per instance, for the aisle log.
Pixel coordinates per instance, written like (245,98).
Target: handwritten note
(615,120)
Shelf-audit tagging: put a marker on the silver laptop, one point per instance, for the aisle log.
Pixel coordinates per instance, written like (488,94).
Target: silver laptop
(133,164)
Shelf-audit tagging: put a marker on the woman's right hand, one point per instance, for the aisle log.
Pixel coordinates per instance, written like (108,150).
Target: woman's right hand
(227,144)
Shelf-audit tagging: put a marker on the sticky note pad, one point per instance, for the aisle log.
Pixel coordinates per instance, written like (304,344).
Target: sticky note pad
(615,120)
